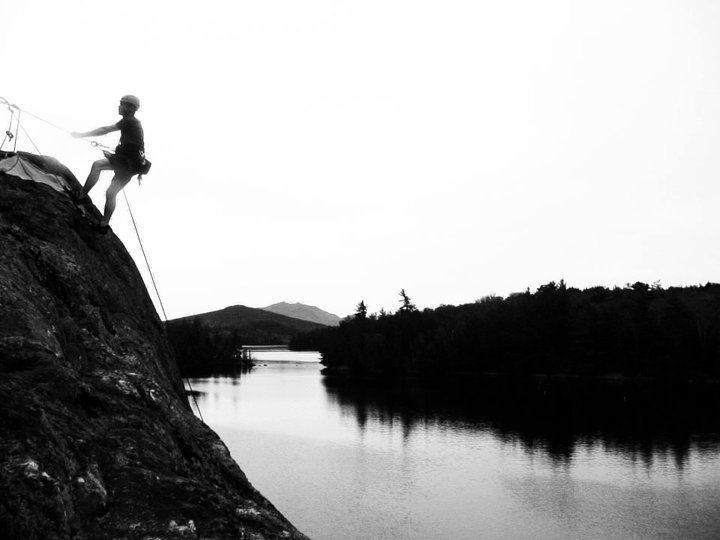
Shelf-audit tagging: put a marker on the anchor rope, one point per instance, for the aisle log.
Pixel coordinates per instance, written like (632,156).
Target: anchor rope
(30,139)
(17,128)
(8,131)
(12,106)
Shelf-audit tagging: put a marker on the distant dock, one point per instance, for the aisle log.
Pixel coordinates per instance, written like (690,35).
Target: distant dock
(276,353)
(246,351)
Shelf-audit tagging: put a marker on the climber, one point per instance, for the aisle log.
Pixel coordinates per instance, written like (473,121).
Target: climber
(127,161)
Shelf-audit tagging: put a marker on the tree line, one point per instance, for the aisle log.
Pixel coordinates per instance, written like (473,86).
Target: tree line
(639,330)
(201,350)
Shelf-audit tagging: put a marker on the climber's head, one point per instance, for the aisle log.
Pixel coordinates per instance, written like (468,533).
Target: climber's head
(128,104)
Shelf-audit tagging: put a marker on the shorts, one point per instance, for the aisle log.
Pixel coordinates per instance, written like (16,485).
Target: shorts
(127,161)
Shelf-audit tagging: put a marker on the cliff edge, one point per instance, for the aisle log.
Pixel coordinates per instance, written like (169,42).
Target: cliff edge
(98,440)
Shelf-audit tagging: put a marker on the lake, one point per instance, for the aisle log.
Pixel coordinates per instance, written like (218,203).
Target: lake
(494,459)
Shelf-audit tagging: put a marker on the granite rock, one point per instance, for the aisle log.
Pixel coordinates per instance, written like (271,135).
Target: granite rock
(98,438)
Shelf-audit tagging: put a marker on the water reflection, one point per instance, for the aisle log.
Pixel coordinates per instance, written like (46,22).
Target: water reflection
(645,423)
(485,460)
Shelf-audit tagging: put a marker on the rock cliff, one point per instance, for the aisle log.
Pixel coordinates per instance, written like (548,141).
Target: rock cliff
(97,437)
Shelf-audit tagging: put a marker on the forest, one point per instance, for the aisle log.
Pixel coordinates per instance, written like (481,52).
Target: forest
(639,330)
(210,343)
(201,350)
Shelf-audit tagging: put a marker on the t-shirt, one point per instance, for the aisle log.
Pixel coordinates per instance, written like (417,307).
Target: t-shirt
(131,133)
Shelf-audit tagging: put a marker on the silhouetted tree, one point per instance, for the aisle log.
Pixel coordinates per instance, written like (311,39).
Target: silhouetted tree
(407,306)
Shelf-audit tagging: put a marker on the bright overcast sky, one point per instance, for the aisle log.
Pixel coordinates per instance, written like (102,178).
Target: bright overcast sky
(329,152)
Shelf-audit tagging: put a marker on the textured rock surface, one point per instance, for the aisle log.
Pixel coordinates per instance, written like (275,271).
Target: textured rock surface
(96,436)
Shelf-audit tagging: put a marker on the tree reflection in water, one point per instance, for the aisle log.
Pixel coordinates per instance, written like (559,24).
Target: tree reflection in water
(640,420)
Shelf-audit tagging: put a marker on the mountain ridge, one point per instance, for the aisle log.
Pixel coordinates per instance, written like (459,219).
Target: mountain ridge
(262,327)
(304,312)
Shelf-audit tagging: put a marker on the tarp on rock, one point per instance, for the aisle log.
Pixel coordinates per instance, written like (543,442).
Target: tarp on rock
(43,169)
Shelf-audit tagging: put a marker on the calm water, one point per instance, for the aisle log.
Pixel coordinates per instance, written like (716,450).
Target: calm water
(489,461)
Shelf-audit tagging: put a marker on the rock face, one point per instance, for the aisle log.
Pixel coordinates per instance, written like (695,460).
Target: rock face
(97,439)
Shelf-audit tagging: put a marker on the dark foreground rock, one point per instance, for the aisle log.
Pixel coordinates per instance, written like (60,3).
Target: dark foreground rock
(97,439)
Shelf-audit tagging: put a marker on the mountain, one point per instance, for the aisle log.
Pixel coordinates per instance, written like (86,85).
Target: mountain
(256,326)
(304,312)
(98,437)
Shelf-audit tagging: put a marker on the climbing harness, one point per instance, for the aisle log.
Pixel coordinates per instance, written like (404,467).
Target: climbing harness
(14,137)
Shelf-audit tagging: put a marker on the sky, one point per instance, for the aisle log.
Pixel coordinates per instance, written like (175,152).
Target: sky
(327,152)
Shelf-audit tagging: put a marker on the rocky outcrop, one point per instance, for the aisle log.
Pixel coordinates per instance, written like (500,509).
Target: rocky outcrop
(97,437)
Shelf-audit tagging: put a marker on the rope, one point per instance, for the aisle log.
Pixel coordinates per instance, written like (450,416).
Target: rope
(145,256)
(8,131)
(157,293)
(6,102)
(12,106)
(17,128)
(30,139)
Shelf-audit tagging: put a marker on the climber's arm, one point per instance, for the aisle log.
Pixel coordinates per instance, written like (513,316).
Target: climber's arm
(95,132)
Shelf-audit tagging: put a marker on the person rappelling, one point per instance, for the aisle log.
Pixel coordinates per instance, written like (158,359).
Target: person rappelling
(127,161)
